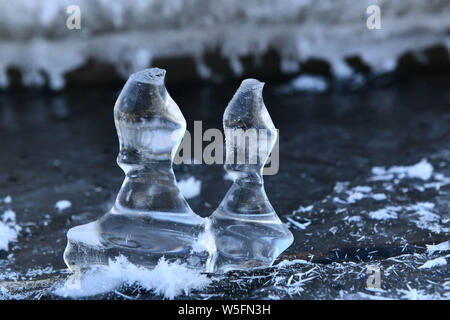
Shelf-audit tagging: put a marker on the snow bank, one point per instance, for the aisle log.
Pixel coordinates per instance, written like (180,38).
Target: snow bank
(131,34)
(167,279)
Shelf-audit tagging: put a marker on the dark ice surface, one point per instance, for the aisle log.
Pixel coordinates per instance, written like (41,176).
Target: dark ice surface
(63,147)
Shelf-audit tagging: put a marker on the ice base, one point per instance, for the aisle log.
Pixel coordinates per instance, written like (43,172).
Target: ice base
(246,241)
(142,238)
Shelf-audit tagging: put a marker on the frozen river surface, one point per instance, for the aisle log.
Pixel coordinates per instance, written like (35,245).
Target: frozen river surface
(363,183)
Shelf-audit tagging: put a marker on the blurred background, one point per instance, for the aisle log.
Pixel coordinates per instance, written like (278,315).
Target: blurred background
(217,40)
(353,86)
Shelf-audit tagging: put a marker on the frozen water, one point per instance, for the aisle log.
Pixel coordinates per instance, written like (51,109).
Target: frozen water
(150,218)
(316,152)
(247,230)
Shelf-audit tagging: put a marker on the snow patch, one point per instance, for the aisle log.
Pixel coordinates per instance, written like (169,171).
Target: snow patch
(9,230)
(356,194)
(309,83)
(303,209)
(379,196)
(7,199)
(441,261)
(421,170)
(443,246)
(62,205)
(426,217)
(130,34)
(166,279)
(298,225)
(387,213)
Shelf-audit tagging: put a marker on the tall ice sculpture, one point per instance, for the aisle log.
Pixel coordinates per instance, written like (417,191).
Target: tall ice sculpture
(247,230)
(150,218)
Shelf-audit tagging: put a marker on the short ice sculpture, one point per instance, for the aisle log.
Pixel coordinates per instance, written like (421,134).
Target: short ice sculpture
(247,230)
(150,218)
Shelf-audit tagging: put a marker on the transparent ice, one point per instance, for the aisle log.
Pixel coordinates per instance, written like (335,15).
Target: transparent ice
(150,218)
(247,230)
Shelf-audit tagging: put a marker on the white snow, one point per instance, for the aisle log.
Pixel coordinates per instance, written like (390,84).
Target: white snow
(415,294)
(422,214)
(130,34)
(62,205)
(302,209)
(301,226)
(357,193)
(354,219)
(9,230)
(7,199)
(387,213)
(363,189)
(190,187)
(166,279)
(354,196)
(426,217)
(421,170)
(441,261)
(309,83)
(288,263)
(378,196)
(7,235)
(443,246)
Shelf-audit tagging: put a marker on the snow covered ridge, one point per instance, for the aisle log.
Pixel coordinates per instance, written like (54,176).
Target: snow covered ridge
(131,34)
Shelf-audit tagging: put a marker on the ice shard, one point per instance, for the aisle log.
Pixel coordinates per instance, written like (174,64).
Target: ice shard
(246,229)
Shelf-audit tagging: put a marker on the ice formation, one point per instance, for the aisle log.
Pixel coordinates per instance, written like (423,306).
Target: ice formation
(246,228)
(130,35)
(150,217)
